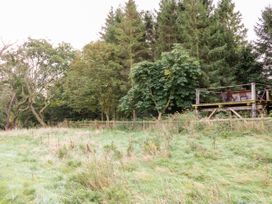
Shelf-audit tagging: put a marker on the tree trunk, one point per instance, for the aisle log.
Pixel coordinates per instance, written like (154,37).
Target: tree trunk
(107,120)
(159,115)
(134,116)
(102,116)
(37,116)
(107,117)
(8,124)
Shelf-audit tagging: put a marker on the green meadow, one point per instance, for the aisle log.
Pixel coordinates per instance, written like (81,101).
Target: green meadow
(193,164)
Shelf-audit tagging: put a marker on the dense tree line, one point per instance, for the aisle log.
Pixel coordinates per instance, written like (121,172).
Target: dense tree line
(145,64)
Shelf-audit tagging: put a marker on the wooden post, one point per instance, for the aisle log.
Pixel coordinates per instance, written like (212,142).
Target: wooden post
(197,101)
(253,98)
(267,97)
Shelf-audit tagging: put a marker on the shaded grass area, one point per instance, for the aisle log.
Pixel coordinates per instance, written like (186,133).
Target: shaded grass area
(199,164)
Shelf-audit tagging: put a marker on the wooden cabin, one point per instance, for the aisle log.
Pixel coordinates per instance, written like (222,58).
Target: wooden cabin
(235,100)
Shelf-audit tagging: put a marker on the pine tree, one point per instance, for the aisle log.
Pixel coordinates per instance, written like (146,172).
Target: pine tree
(227,36)
(150,34)
(108,33)
(130,36)
(167,29)
(248,68)
(264,42)
(232,21)
(194,22)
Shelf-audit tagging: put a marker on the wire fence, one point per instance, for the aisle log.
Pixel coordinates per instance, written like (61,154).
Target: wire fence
(129,125)
(171,124)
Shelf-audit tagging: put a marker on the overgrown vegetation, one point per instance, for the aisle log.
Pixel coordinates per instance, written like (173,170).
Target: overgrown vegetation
(191,162)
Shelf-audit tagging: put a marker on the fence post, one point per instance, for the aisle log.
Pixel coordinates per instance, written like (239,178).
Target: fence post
(267,96)
(197,101)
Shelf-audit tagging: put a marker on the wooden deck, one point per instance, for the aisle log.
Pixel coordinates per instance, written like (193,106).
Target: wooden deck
(255,101)
(231,104)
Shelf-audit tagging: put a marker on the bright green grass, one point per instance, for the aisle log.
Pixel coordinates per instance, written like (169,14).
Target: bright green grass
(111,166)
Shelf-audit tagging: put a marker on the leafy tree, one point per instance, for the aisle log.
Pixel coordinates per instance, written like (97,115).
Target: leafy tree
(93,83)
(43,66)
(264,42)
(12,91)
(166,83)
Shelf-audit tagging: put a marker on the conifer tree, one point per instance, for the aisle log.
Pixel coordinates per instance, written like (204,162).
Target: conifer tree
(227,36)
(248,69)
(130,35)
(150,34)
(264,42)
(167,29)
(108,33)
(194,22)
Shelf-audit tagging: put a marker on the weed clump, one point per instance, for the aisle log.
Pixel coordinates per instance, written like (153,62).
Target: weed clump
(3,193)
(152,146)
(100,184)
(62,152)
(111,151)
(96,176)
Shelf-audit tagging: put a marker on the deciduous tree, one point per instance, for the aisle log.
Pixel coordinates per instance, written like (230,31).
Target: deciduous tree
(166,83)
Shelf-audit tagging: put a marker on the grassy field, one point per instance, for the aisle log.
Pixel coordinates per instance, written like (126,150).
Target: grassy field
(199,164)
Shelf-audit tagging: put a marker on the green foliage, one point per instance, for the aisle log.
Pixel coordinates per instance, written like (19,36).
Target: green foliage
(263,44)
(227,35)
(167,28)
(164,84)
(94,82)
(248,69)
(135,67)
(30,73)
(125,28)
(194,26)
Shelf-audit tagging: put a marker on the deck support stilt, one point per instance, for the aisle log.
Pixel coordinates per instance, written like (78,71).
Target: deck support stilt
(214,111)
(235,113)
(253,98)
(197,101)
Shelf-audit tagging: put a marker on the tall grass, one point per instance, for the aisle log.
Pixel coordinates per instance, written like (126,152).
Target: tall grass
(181,160)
